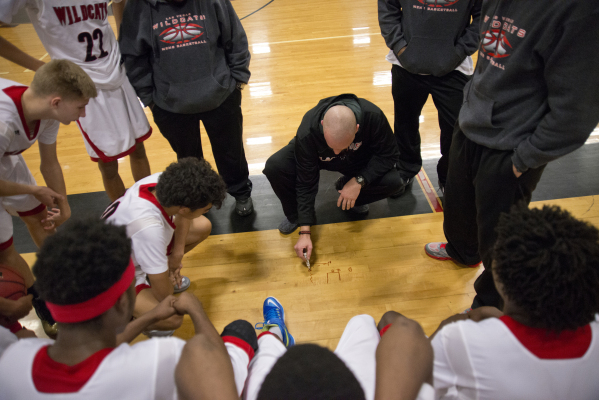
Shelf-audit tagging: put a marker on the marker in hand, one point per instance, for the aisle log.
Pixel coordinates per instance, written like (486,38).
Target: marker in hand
(307,260)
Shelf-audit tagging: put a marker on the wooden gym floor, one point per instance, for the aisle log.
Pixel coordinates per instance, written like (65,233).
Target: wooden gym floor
(302,52)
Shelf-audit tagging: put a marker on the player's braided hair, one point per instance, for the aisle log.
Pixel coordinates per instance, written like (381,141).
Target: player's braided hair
(83,259)
(308,371)
(190,183)
(65,79)
(548,264)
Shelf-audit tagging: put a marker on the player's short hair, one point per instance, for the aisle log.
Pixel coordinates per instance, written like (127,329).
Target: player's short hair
(82,259)
(65,79)
(548,264)
(308,371)
(190,183)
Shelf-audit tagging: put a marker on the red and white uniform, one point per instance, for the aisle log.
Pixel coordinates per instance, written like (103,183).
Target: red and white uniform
(502,359)
(79,31)
(145,370)
(356,348)
(150,229)
(6,339)
(15,138)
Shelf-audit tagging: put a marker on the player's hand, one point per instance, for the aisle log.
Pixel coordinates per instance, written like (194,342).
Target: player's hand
(516,172)
(481,313)
(47,196)
(187,303)
(165,308)
(19,308)
(54,219)
(349,194)
(304,242)
(175,276)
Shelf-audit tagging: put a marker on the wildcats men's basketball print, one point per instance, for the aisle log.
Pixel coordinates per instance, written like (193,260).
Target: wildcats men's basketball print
(496,41)
(181,30)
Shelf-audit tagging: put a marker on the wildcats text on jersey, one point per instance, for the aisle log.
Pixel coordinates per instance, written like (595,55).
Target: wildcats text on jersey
(70,15)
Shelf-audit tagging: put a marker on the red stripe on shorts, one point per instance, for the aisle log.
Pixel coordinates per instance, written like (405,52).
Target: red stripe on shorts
(35,211)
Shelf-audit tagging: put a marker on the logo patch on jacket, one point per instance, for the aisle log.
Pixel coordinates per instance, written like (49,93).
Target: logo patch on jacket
(495,43)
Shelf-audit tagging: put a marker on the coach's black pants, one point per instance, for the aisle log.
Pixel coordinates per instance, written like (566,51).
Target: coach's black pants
(410,92)
(480,186)
(224,126)
(280,169)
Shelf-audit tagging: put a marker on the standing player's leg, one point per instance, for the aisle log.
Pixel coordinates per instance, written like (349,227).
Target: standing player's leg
(447,93)
(113,183)
(357,349)
(224,126)
(409,96)
(140,166)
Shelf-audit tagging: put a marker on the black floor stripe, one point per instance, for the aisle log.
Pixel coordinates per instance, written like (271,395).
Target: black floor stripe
(574,175)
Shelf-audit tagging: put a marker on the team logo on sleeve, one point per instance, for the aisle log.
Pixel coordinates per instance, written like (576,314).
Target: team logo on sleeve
(438,3)
(181,33)
(495,43)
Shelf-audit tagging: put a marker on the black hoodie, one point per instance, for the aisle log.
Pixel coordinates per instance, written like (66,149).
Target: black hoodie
(372,154)
(185,56)
(535,89)
(438,33)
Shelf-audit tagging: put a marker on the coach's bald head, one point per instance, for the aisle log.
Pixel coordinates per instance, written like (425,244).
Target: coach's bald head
(340,127)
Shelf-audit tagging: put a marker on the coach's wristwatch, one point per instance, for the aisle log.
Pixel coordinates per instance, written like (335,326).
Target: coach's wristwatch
(360,180)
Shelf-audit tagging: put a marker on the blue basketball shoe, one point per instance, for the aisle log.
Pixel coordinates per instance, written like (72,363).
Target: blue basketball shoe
(274,316)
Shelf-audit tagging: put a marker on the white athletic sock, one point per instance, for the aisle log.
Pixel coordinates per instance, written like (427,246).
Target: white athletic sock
(277,331)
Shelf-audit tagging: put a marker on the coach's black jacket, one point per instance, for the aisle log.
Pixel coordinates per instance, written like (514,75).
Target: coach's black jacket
(372,154)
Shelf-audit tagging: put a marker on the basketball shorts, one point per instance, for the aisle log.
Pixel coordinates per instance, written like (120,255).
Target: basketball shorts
(357,349)
(14,169)
(114,123)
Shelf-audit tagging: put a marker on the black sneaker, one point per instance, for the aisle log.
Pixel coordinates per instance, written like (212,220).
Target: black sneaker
(360,210)
(244,207)
(402,190)
(48,323)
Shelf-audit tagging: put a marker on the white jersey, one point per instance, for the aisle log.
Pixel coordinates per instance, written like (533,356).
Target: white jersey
(6,339)
(501,359)
(77,31)
(149,227)
(144,370)
(15,136)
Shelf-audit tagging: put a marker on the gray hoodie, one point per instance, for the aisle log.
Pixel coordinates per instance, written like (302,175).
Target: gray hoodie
(184,56)
(536,86)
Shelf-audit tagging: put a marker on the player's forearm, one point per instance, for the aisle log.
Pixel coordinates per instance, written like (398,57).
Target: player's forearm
(203,326)
(205,371)
(18,56)
(181,231)
(136,327)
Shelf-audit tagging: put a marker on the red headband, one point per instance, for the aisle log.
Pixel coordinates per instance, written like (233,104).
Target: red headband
(72,313)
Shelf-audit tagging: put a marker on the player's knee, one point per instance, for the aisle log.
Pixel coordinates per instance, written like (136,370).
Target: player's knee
(109,170)
(388,318)
(205,226)
(139,152)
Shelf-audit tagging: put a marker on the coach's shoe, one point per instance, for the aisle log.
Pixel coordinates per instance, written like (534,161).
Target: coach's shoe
(406,184)
(185,283)
(157,333)
(274,317)
(286,227)
(244,207)
(438,251)
(243,330)
(360,210)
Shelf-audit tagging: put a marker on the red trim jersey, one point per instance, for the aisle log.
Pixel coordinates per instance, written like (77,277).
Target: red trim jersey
(77,31)
(150,228)
(503,359)
(15,135)
(144,370)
